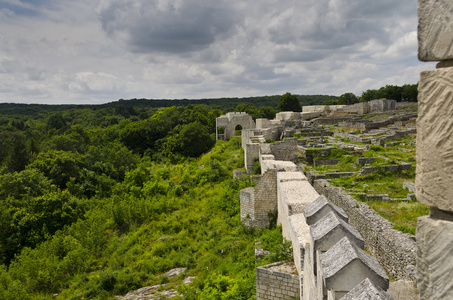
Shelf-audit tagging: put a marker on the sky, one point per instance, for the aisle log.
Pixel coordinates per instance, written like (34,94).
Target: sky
(92,52)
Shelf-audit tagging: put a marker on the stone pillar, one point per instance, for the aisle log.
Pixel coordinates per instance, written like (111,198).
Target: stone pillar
(434,175)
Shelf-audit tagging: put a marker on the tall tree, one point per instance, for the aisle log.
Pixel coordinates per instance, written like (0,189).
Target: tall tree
(288,102)
(348,99)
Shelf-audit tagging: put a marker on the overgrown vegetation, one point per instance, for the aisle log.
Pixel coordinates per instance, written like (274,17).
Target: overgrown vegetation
(96,202)
(402,214)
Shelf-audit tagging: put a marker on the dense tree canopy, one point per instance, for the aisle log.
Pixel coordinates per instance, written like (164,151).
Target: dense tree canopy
(348,99)
(288,102)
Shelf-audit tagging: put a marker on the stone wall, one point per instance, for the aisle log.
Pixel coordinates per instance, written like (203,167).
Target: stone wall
(434,150)
(394,250)
(325,162)
(274,284)
(286,150)
(259,201)
(391,168)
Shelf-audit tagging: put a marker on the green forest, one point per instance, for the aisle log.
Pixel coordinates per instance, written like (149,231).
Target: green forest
(100,200)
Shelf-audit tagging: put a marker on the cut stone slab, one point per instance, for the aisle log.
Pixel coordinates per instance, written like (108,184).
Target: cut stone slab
(345,265)
(280,165)
(321,207)
(434,172)
(435,30)
(434,258)
(331,229)
(296,195)
(367,290)
(291,176)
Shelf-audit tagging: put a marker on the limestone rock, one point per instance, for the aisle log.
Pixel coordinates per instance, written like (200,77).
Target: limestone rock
(331,229)
(435,139)
(434,258)
(435,30)
(367,290)
(345,265)
(321,207)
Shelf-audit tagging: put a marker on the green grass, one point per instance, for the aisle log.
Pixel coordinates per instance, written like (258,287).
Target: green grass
(402,215)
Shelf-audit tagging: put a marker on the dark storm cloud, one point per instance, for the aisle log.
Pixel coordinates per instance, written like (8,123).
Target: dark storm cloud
(166,26)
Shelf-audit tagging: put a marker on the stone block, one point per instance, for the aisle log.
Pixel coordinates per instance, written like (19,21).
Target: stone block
(331,229)
(435,139)
(345,265)
(367,290)
(434,258)
(316,210)
(435,30)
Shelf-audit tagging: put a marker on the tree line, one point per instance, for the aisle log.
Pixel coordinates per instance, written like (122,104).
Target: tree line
(405,93)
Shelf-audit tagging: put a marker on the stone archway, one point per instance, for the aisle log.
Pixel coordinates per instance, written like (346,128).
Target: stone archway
(229,122)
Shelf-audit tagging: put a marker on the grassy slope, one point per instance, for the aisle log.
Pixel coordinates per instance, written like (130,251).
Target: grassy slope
(184,215)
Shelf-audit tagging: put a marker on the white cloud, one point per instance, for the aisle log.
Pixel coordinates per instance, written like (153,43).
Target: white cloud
(93,52)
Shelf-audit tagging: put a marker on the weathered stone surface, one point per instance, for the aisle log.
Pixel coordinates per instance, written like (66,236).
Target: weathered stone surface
(229,122)
(367,290)
(435,30)
(435,139)
(403,290)
(345,265)
(291,176)
(331,229)
(279,165)
(321,207)
(434,258)
(299,235)
(277,281)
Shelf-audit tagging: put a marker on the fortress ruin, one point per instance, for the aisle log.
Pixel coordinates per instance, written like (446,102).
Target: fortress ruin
(328,228)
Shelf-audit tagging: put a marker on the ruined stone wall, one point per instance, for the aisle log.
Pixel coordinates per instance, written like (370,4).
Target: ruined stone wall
(266,192)
(259,201)
(251,154)
(325,162)
(275,285)
(286,150)
(358,108)
(394,250)
(247,197)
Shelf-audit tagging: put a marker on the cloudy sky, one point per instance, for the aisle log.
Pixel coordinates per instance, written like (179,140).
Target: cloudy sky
(90,52)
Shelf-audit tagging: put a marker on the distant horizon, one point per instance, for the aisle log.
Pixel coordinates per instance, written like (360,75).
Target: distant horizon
(162,99)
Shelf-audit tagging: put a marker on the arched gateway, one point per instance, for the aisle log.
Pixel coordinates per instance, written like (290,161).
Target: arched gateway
(226,124)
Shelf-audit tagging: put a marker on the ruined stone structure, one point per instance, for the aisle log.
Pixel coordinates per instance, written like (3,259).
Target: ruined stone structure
(226,125)
(434,151)
(373,106)
(328,252)
(272,283)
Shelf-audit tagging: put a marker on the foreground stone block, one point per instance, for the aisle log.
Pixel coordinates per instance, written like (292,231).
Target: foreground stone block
(434,258)
(435,30)
(316,210)
(435,139)
(344,266)
(331,229)
(367,290)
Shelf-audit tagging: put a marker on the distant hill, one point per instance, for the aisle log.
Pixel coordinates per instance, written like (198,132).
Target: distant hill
(220,103)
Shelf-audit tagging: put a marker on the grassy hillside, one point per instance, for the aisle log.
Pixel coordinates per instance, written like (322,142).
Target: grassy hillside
(162,216)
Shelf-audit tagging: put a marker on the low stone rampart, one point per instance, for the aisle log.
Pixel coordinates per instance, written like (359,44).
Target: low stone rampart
(325,162)
(277,282)
(394,250)
(391,168)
